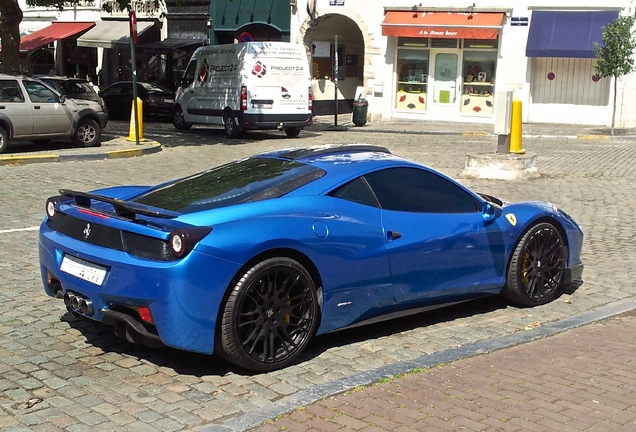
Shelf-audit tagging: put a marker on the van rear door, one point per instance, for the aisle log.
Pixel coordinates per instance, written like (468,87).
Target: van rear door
(277,85)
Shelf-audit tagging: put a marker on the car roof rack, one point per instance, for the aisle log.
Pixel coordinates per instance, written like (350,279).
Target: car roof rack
(330,149)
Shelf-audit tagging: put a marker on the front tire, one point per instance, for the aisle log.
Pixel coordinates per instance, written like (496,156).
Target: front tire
(537,266)
(87,133)
(178,120)
(270,315)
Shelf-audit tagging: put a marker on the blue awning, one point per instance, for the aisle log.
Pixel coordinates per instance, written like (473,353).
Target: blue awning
(566,33)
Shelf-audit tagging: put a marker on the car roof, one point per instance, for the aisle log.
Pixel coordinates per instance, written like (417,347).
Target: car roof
(342,162)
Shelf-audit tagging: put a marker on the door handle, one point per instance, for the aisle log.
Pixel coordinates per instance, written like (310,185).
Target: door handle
(37,107)
(393,235)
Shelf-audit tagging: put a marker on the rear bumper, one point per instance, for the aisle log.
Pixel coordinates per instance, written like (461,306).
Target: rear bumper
(274,121)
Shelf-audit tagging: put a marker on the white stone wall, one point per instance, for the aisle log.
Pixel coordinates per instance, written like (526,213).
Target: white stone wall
(513,65)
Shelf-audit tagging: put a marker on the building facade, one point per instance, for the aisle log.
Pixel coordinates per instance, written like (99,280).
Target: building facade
(432,61)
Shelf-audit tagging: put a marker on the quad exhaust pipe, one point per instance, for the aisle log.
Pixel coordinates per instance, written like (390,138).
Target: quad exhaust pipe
(78,303)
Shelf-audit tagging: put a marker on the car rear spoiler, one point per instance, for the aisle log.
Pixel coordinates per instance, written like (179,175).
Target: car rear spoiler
(125,209)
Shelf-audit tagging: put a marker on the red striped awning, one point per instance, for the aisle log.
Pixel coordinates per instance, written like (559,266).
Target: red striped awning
(56,31)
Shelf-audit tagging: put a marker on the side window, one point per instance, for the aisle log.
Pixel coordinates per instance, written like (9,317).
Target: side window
(356,191)
(420,191)
(40,93)
(113,90)
(190,71)
(10,91)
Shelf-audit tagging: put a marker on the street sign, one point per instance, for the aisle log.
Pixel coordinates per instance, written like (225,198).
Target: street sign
(133,26)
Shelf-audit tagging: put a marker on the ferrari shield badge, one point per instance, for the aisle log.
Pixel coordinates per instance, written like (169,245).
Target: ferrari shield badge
(512,219)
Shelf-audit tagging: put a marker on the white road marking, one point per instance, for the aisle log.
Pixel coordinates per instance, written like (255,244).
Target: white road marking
(35,228)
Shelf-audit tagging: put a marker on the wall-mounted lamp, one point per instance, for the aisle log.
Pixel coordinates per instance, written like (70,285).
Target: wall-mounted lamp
(292,2)
(208,23)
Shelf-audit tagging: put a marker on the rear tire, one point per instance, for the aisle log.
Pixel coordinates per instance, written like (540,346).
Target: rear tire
(87,133)
(536,267)
(270,316)
(178,120)
(232,129)
(4,140)
(292,132)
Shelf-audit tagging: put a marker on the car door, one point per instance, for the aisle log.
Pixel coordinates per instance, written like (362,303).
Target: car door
(118,98)
(14,105)
(50,116)
(438,242)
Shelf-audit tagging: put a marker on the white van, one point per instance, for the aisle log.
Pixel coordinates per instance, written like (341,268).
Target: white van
(253,85)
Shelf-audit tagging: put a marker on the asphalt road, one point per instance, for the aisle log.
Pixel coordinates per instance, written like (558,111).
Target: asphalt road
(57,373)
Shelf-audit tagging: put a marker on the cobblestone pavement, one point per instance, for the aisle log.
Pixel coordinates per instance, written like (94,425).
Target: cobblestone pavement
(58,373)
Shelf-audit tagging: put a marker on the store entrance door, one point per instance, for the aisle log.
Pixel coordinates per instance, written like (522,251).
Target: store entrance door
(446,83)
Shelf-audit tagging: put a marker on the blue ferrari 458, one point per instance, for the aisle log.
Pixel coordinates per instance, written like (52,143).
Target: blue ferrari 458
(249,260)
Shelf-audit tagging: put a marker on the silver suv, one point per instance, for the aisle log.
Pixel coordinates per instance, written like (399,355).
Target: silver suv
(30,110)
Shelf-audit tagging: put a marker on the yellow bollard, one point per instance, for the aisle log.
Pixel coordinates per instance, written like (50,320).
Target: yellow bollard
(131,129)
(516,146)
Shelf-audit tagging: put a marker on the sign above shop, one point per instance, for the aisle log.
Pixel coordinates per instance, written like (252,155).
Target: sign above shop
(519,21)
(336,2)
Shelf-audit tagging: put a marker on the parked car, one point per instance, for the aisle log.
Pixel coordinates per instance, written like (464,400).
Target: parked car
(250,259)
(73,88)
(157,101)
(31,110)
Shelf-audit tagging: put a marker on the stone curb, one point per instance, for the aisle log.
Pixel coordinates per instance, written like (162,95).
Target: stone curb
(149,148)
(314,394)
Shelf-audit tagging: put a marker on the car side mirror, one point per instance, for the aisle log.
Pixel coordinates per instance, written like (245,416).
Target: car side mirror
(62,98)
(490,211)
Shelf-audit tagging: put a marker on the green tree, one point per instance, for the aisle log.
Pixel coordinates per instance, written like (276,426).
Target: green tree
(615,56)
(10,19)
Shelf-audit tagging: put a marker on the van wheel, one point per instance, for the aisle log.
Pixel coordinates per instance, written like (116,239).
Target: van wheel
(178,120)
(231,128)
(292,132)
(87,133)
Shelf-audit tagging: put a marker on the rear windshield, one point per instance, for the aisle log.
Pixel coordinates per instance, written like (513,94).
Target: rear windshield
(247,180)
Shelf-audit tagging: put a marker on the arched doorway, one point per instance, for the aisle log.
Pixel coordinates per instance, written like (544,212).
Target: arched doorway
(319,35)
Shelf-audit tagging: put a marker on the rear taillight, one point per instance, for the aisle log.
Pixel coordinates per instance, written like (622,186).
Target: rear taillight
(310,100)
(52,203)
(243,98)
(183,240)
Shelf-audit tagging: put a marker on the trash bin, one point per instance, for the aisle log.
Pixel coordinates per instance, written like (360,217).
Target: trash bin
(360,108)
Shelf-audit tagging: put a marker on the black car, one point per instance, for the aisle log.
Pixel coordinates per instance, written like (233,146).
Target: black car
(73,88)
(157,100)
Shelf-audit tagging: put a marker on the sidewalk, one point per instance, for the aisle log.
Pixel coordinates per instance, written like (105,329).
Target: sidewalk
(580,380)
(528,130)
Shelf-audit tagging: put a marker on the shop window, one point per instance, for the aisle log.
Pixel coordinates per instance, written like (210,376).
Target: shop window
(412,77)
(478,71)
(444,43)
(322,63)
(481,43)
(413,42)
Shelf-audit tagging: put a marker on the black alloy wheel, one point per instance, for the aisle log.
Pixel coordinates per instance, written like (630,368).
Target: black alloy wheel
(270,315)
(537,266)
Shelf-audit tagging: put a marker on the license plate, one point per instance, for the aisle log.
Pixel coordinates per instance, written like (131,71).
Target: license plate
(168,101)
(262,106)
(83,269)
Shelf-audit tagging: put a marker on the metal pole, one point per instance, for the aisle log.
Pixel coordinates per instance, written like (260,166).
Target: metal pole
(133,61)
(335,82)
